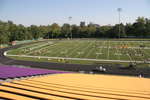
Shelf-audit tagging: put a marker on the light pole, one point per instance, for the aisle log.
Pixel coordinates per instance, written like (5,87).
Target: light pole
(70,18)
(119,10)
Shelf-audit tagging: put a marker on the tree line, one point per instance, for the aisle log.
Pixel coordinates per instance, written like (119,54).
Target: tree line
(11,32)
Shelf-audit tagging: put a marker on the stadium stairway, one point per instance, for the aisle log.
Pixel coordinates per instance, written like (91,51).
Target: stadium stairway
(74,86)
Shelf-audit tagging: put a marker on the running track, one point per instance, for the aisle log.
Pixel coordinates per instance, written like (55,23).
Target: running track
(71,67)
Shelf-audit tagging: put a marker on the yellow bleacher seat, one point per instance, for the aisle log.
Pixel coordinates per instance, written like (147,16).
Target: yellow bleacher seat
(81,86)
(14,96)
(35,94)
(100,94)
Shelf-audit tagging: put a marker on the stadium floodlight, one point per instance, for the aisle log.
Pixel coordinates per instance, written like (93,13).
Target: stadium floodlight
(70,18)
(119,10)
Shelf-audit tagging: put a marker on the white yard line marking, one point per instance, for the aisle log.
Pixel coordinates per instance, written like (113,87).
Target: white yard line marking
(103,49)
(38,47)
(145,52)
(91,44)
(134,50)
(76,58)
(48,49)
(100,49)
(76,48)
(116,45)
(132,60)
(57,51)
(29,46)
(79,53)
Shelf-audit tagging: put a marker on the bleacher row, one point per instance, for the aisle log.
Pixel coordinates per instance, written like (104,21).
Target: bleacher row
(10,72)
(75,86)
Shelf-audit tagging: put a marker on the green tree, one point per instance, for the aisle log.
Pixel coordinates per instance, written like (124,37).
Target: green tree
(55,30)
(139,27)
(34,30)
(75,31)
(147,26)
(91,30)
(115,33)
(4,33)
(66,30)
(103,31)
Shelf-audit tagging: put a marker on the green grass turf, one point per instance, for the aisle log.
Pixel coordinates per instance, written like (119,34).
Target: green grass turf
(87,48)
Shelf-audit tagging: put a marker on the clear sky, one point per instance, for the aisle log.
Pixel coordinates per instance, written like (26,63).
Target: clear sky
(44,12)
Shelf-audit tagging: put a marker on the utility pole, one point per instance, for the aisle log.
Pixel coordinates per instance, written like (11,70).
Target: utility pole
(119,11)
(70,18)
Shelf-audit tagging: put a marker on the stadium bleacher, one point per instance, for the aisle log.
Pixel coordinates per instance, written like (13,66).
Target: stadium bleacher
(16,72)
(75,86)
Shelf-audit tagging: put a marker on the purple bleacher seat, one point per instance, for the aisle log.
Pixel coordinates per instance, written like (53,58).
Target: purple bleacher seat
(14,72)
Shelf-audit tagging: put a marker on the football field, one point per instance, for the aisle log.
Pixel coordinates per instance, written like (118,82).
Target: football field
(87,50)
